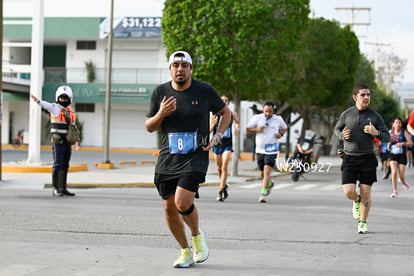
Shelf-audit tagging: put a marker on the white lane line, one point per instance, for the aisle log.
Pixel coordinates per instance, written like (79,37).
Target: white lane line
(258,185)
(305,187)
(251,186)
(331,187)
(281,186)
(20,269)
(295,186)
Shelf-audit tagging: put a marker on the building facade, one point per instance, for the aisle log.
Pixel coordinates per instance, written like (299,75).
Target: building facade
(76,54)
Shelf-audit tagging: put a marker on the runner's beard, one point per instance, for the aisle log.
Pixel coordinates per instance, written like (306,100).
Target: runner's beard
(180,81)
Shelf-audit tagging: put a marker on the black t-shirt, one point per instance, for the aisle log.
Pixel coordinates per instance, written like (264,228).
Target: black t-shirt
(192,114)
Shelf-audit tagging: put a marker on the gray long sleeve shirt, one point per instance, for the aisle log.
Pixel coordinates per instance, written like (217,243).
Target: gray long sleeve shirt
(360,143)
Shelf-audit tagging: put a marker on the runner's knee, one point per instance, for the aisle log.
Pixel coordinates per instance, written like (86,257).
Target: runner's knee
(188,211)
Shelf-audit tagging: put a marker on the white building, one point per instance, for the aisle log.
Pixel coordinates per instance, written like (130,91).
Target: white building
(75,34)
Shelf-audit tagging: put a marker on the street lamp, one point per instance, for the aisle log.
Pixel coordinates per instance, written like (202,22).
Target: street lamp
(108,88)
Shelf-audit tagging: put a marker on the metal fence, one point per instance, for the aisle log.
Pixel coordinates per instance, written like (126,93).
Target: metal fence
(79,75)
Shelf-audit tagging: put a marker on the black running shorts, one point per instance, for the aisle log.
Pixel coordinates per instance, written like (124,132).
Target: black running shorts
(400,158)
(266,159)
(359,168)
(167,184)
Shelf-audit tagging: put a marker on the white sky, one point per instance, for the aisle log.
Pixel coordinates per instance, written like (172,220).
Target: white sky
(390,22)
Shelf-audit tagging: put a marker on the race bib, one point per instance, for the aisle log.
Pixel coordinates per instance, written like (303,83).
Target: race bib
(182,142)
(396,150)
(227,133)
(271,147)
(384,147)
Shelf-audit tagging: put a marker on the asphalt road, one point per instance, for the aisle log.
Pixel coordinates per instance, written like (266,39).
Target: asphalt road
(306,228)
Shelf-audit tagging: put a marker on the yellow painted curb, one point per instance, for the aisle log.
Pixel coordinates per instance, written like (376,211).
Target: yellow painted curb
(104,185)
(80,167)
(104,165)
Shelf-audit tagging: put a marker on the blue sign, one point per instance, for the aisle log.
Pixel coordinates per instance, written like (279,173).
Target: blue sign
(131,27)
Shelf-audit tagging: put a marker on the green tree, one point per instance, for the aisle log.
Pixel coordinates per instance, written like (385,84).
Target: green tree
(366,72)
(386,105)
(331,57)
(90,71)
(246,49)
(331,65)
(381,101)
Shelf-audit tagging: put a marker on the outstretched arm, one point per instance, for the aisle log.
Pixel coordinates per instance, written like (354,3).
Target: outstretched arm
(51,107)
(35,99)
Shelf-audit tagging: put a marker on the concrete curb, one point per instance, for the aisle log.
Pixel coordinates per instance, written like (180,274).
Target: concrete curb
(44,168)
(103,185)
(118,185)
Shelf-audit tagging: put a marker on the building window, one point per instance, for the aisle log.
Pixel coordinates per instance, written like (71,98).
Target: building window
(86,45)
(85,107)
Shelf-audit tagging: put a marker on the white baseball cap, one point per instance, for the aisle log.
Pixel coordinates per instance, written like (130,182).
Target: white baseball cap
(180,56)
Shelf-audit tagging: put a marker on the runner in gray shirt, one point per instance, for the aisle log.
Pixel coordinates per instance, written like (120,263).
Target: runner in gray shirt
(357,127)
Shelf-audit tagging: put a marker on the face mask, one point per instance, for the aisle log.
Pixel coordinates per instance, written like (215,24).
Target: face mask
(64,104)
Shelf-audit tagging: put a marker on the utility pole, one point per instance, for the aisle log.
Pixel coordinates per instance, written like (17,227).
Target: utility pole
(376,61)
(108,88)
(36,82)
(406,99)
(353,23)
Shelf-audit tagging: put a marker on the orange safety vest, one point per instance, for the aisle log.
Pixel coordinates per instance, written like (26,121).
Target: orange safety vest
(59,124)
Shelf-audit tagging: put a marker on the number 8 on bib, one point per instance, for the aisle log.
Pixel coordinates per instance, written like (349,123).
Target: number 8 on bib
(182,142)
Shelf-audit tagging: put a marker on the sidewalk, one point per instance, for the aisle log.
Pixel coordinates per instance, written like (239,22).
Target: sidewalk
(135,175)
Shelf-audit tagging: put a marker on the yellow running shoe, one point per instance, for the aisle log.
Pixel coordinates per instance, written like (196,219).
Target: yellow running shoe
(200,247)
(356,209)
(185,260)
